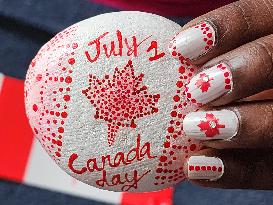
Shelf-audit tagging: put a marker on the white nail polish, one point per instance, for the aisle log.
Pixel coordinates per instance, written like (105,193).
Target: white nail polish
(209,84)
(193,42)
(211,125)
(202,167)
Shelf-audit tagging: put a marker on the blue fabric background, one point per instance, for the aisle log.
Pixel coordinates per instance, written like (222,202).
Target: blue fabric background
(24,27)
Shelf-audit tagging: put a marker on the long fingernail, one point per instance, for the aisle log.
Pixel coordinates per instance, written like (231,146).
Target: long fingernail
(193,42)
(211,125)
(202,167)
(210,84)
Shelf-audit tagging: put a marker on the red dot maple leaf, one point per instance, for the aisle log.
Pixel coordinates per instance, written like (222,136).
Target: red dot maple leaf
(120,100)
(203,82)
(211,126)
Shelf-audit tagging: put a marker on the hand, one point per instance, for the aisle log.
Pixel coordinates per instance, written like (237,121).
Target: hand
(233,46)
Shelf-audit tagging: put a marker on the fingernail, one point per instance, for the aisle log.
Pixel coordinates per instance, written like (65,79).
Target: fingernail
(193,42)
(211,125)
(210,84)
(202,167)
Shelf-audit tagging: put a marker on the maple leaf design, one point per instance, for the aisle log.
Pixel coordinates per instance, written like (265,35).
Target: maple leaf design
(120,100)
(203,82)
(210,126)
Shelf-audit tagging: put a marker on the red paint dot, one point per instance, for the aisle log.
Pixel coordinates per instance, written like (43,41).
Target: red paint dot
(209,35)
(213,168)
(203,168)
(191,168)
(226,74)
(210,42)
(133,125)
(208,168)
(35,107)
(59,143)
(228,87)
(192,147)
(58,154)
(170,129)
(68,79)
(71,61)
(74,45)
(159,170)
(227,80)
(197,168)
(167,144)
(181,69)
(66,97)
(179,84)
(220,169)
(173,113)
(163,158)
(60,129)
(39,77)
(64,114)
(174,53)
(176,98)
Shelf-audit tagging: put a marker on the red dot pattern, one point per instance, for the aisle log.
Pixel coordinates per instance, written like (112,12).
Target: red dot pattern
(227,86)
(208,34)
(173,154)
(208,39)
(205,168)
(227,75)
(120,100)
(50,108)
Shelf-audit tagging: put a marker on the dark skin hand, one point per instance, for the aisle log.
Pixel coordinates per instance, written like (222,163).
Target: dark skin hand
(244,42)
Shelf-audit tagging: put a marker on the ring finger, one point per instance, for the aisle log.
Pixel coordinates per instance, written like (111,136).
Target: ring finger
(237,74)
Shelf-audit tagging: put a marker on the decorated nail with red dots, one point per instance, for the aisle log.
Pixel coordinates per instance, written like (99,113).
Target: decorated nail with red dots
(194,42)
(211,125)
(202,167)
(209,84)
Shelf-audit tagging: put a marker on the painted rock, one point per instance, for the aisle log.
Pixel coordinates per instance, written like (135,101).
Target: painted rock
(105,99)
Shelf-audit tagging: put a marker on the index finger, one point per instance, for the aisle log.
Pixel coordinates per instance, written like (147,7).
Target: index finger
(223,29)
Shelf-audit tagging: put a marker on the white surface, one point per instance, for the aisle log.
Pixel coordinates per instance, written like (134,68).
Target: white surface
(86,136)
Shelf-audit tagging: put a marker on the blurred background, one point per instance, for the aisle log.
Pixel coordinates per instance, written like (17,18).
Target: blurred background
(27,175)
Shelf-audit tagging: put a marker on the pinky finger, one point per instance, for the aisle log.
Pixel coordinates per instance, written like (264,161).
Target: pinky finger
(233,169)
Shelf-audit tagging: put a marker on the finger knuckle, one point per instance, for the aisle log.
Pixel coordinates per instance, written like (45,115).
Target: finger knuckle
(264,48)
(268,124)
(244,12)
(253,14)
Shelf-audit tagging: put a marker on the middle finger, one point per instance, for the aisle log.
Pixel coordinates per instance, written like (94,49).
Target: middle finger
(249,125)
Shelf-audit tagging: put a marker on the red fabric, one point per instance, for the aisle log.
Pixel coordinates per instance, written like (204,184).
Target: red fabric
(180,8)
(150,198)
(15,133)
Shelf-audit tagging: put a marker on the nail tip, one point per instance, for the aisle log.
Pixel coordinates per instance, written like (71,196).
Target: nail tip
(205,168)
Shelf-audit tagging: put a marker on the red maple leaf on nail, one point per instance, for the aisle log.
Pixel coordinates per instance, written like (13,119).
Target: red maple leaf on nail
(203,82)
(120,100)
(210,126)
